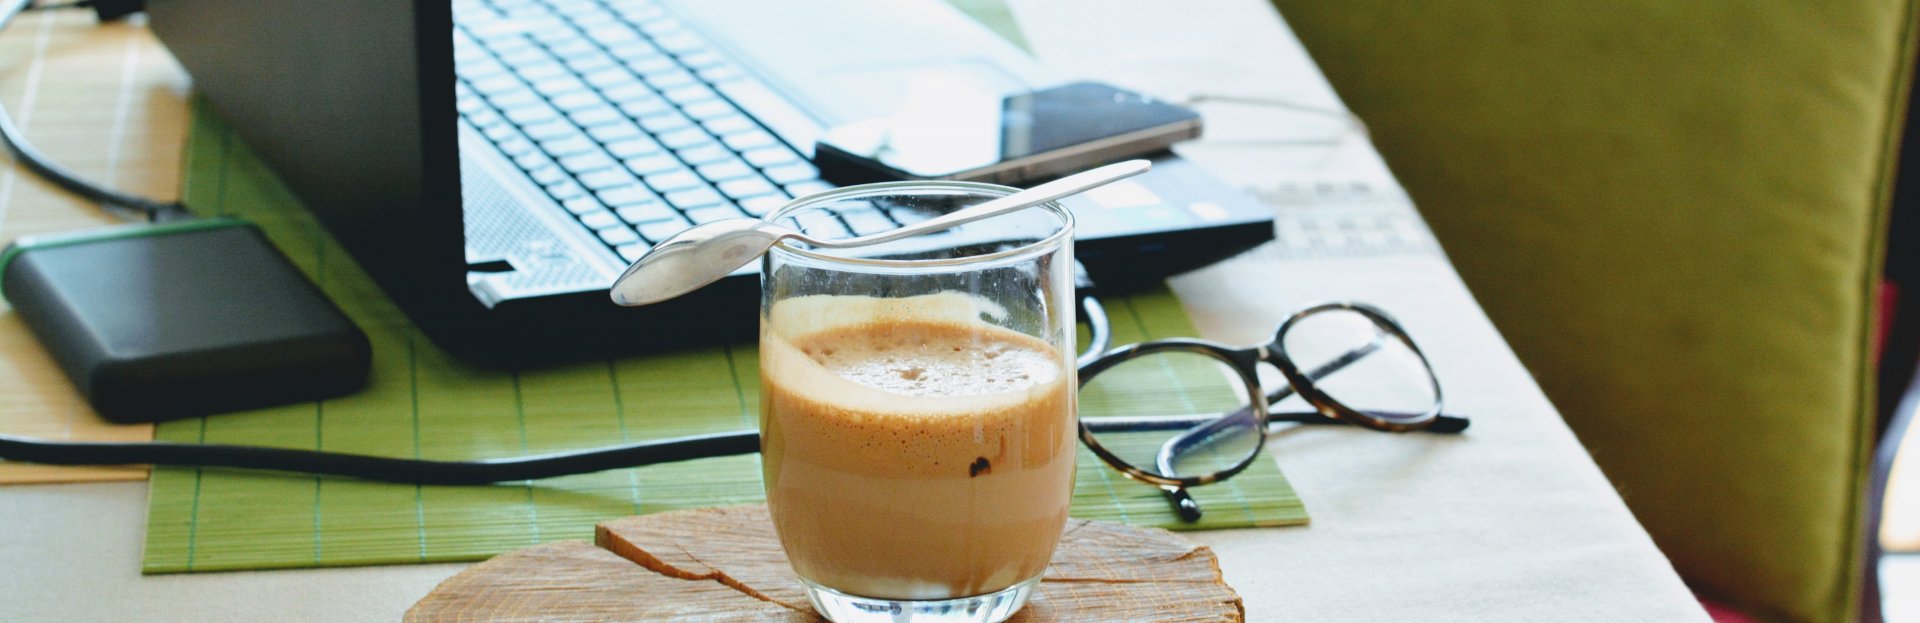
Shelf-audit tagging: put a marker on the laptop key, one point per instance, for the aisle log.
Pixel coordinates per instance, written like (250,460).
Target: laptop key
(821,224)
(590,161)
(606,178)
(866,221)
(648,165)
(702,216)
(743,141)
(627,195)
(634,50)
(582,205)
(690,198)
(746,187)
(575,48)
(674,180)
(532,160)
(615,132)
(578,101)
(770,156)
(500,133)
(725,170)
(559,85)
(633,251)
(542,70)
(532,115)
(557,32)
(565,190)
(689,137)
(494,84)
(709,109)
(608,78)
(548,175)
(485,118)
(565,146)
(612,34)
(551,130)
(646,212)
(643,107)
(653,63)
(661,230)
(688,94)
(629,93)
(803,189)
(763,204)
(516,146)
(698,60)
(600,220)
(791,173)
(518,97)
(525,56)
(731,124)
(670,79)
(475,70)
(636,146)
(664,122)
(589,62)
(909,216)
(704,154)
(596,116)
(618,235)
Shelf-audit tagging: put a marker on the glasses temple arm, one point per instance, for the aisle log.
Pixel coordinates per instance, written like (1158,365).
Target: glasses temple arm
(1099,331)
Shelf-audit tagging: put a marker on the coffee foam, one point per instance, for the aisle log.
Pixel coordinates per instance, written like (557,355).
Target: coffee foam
(924,359)
(834,350)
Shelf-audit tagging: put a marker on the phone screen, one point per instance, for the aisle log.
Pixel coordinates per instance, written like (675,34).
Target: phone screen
(943,129)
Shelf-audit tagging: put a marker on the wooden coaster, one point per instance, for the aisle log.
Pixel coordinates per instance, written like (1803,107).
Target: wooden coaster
(725,564)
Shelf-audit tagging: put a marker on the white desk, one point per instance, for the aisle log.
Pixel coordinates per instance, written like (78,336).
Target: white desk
(1511,521)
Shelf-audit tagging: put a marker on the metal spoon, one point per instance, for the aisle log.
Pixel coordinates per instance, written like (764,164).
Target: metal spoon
(704,253)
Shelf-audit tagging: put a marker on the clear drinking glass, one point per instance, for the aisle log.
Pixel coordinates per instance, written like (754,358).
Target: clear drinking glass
(917,403)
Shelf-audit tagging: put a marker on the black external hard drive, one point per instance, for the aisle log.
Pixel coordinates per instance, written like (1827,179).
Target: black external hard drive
(178,319)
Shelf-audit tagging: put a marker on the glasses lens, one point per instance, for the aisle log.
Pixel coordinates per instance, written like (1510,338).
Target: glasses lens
(1172,413)
(1362,365)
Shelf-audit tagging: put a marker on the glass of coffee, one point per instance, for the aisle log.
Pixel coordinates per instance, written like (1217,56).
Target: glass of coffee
(917,403)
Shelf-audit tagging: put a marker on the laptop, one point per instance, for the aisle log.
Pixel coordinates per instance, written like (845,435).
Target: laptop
(495,164)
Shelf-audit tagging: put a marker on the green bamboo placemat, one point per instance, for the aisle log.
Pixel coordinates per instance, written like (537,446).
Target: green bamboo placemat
(422,403)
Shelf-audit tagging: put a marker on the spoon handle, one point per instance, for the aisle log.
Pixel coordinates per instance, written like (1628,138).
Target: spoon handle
(1050,191)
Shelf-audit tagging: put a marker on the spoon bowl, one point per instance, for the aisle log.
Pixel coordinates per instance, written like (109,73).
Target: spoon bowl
(690,259)
(705,253)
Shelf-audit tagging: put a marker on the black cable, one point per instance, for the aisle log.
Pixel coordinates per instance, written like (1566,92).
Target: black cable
(378,468)
(30,157)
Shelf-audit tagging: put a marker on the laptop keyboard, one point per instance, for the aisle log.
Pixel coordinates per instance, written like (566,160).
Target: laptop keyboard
(627,119)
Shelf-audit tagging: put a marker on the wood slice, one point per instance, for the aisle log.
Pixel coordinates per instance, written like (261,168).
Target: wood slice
(725,564)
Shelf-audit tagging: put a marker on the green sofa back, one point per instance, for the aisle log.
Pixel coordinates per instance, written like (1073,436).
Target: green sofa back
(1675,212)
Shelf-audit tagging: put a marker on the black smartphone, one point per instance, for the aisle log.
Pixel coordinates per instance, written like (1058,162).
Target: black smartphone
(943,132)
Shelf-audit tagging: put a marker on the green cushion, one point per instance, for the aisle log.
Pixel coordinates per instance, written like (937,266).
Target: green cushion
(1675,212)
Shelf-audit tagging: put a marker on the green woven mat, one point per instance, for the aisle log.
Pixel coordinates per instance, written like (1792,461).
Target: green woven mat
(422,403)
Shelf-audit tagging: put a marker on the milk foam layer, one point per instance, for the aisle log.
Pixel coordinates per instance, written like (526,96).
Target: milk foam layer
(925,359)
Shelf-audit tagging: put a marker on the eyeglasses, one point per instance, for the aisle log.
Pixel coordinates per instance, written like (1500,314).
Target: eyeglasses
(1180,413)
